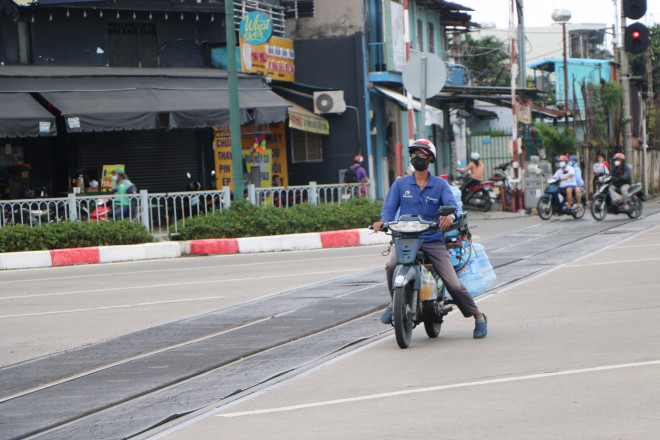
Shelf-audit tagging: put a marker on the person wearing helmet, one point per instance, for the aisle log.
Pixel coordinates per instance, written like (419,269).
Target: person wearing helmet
(476,169)
(621,177)
(357,174)
(566,176)
(422,194)
(123,186)
(579,183)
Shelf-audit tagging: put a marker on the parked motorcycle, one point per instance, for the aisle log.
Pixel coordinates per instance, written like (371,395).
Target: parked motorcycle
(502,182)
(419,293)
(479,196)
(603,200)
(553,202)
(103,210)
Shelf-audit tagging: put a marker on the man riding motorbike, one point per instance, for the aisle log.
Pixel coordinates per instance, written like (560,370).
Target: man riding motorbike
(621,177)
(566,176)
(476,168)
(422,194)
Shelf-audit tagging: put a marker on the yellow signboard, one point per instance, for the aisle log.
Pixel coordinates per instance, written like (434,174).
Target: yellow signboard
(275,145)
(302,119)
(275,59)
(106,176)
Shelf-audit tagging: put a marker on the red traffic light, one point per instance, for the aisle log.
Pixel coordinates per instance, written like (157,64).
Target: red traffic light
(636,38)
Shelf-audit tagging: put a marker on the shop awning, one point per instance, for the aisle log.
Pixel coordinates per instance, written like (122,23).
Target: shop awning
(302,119)
(22,116)
(109,99)
(433,115)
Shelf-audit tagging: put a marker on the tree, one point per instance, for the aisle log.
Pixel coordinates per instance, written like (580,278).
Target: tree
(557,142)
(486,58)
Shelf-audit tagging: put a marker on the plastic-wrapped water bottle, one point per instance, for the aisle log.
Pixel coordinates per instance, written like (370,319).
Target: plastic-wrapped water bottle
(470,276)
(490,279)
(457,196)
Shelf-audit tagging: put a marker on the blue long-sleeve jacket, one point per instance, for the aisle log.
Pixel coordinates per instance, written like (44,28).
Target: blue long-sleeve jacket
(405,195)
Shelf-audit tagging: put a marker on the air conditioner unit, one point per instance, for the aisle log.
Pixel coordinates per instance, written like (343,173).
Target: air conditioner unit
(329,102)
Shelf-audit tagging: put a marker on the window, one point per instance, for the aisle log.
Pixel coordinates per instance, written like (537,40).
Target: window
(420,35)
(431,38)
(298,8)
(132,44)
(305,147)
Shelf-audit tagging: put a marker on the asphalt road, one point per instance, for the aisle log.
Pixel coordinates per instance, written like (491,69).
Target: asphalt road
(110,341)
(573,352)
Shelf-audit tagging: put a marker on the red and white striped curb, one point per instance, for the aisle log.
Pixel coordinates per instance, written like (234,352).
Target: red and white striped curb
(173,249)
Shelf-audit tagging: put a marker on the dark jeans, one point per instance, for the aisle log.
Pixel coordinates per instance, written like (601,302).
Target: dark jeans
(438,255)
(121,212)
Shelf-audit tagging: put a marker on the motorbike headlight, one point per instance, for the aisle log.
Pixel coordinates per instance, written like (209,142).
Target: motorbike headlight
(409,226)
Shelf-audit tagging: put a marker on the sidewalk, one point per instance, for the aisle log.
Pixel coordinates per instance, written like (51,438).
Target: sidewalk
(175,249)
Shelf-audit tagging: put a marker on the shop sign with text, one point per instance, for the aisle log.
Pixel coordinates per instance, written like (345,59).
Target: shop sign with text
(275,59)
(256,28)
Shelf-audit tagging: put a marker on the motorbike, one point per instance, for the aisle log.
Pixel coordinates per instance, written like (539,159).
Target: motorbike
(103,210)
(603,203)
(553,202)
(502,182)
(36,213)
(479,196)
(419,293)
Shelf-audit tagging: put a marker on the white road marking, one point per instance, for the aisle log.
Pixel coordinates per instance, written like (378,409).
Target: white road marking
(57,312)
(187,283)
(141,272)
(441,388)
(641,260)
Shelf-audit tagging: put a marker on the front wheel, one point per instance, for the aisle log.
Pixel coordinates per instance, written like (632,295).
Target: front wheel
(544,208)
(403,326)
(599,208)
(635,207)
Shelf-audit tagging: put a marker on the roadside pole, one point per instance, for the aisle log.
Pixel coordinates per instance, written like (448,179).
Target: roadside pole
(234,110)
(625,85)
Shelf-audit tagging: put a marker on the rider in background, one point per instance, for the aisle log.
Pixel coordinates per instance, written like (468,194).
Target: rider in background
(422,194)
(600,169)
(124,186)
(566,176)
(476,168)
(621,177)
(579,183)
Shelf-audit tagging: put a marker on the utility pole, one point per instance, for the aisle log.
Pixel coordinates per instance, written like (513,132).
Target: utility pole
(234,109)
(625,85)
(522,61)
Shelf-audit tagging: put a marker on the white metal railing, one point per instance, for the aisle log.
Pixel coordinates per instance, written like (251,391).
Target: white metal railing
(160,211)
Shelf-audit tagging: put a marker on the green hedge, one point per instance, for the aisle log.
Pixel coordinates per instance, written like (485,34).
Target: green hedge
(64,235)
(246,220)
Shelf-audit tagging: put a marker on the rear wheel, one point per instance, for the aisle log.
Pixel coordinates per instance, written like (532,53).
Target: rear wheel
(635,207)
(403,326)
(544,208)
(599,208)
(578,211)
(485,201)
(432,317)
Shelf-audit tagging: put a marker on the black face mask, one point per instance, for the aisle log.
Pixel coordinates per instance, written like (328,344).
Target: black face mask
(419,164)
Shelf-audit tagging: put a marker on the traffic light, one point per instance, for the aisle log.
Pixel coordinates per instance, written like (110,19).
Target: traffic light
(636,38)
(634,9)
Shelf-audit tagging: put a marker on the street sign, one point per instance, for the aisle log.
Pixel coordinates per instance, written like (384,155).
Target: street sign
(435,75)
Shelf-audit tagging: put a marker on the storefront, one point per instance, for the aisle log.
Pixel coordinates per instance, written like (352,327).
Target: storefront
(158,122)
